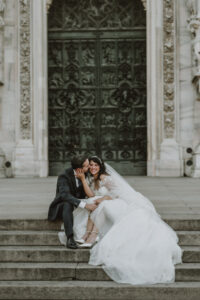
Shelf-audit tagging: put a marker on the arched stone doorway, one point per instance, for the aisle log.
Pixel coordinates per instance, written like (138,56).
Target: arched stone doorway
(97,83)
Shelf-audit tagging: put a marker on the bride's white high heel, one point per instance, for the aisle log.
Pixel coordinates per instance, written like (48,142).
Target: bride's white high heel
(86,245)
(81,241)
(89,245)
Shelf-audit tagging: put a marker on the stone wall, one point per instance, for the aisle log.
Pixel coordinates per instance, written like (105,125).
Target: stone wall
(8,76)
(188,24)
(173,100)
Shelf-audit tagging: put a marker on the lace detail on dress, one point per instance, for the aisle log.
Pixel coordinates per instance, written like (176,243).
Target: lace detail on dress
(111,186)
(107,186)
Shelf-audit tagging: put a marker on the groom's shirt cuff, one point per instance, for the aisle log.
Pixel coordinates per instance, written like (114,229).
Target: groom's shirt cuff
(82,204)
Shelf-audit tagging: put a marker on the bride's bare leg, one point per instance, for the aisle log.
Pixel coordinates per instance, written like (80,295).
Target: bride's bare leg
(90,225)
(92,237)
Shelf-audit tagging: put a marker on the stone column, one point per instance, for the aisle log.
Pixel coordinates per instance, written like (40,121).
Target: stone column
(2,7)
(164,157)
(40,78)
(31,157)
(194,27)
(171,163)
(24,153)
(154,83)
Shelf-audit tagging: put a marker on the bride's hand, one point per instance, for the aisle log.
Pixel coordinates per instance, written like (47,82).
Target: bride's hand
(98,201)
(107,198)
(80,174)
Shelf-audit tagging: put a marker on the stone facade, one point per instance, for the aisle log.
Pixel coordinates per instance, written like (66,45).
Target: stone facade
(173,87)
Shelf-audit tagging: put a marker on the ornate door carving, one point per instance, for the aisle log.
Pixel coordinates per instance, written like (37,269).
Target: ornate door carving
(97,83)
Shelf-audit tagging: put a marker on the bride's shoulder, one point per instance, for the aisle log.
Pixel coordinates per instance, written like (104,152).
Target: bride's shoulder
(103,177)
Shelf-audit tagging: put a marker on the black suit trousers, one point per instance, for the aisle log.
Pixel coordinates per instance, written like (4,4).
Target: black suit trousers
(66,214)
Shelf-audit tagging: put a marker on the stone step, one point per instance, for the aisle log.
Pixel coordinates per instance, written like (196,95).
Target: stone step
(34,224)
(51,271)
(89,290)
(50,238)
(62,254)
(42,254)
(77,271)
(188,272)
(189,238)
(37,238)
(191,254)
(177,222)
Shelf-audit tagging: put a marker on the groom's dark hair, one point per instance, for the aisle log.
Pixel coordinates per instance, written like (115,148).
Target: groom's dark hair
(78,161)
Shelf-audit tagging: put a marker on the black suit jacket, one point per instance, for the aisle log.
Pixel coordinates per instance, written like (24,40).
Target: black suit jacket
(66,191)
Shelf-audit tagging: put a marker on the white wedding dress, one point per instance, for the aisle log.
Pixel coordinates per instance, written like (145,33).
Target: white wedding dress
(135,245)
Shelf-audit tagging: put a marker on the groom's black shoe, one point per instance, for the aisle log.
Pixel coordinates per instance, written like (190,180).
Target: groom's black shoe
(71,243)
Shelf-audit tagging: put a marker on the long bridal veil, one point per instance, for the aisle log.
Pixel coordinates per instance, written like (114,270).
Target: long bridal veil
(126,192)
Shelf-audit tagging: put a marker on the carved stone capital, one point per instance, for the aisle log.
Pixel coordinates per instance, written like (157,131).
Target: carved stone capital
(25,53)
(194,28)
(194,25)
(144,2)
(192,6)
(48,4)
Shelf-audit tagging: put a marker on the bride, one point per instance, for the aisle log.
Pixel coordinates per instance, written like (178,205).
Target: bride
(135,245)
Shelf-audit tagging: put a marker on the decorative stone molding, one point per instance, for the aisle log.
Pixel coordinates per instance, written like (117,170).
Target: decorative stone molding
(144,2)
(48,4)
(170,163)
(2,23)
(169,72)
(25,89)
(192,6)
(194,27)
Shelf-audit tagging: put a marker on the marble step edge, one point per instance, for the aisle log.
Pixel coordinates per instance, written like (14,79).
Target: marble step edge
(80,283)
(77,271)
(82,290)
(62,254)
(77,265)
(50,238)
(74,265)
(62,248)
(177,222)
(55,232)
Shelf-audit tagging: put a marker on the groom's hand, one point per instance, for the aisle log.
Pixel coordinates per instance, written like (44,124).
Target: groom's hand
(80,174)
(91,207)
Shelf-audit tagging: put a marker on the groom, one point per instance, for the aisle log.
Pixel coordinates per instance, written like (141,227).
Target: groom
(68,194)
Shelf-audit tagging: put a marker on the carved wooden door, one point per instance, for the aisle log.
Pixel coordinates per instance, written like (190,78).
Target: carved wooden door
(97,83)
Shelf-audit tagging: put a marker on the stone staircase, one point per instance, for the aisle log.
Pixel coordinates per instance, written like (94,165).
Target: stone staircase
(33,265)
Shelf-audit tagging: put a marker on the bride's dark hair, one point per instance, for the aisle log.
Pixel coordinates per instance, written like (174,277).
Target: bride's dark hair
(101,164)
